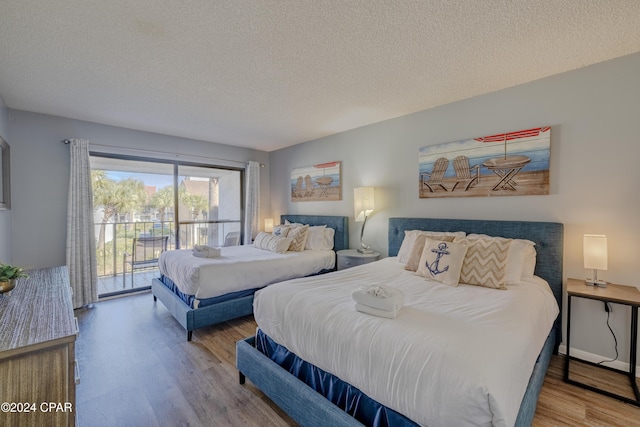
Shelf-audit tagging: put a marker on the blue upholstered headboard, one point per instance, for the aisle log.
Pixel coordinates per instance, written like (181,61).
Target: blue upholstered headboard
(338,223)
(548,237)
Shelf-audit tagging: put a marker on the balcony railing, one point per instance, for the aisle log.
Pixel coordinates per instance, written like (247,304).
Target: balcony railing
(116,239)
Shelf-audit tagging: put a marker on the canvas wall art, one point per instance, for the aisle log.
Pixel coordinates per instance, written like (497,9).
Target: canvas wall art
(321,182)
(506,164)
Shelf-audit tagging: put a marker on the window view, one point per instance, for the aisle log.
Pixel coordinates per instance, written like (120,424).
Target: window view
(209,206)
(136,218)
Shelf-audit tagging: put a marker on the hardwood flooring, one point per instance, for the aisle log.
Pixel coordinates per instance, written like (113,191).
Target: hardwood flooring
(137,369)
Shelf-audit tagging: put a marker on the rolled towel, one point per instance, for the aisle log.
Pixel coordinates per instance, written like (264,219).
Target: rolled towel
(375,312)
(204,251)
(380,297)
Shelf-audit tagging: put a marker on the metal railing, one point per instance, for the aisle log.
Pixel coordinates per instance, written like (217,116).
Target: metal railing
(113,240)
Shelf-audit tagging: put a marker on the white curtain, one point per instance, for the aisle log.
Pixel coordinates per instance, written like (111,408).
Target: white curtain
(81,246)
(252,202)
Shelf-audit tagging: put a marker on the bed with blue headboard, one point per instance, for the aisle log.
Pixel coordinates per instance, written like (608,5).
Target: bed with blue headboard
(236,304)
(308,406)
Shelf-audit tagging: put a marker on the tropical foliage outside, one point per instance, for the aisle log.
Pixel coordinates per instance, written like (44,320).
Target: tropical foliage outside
(119,201)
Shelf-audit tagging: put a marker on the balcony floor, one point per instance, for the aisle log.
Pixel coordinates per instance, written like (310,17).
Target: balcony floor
(112,285)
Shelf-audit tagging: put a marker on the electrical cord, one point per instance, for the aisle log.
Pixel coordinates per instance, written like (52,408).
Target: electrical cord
(608,309)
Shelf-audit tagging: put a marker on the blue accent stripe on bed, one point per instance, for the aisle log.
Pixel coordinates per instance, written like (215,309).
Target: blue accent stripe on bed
(342,394)
(190,299)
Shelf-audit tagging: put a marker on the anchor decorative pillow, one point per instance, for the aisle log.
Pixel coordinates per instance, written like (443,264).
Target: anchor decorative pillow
(442,261)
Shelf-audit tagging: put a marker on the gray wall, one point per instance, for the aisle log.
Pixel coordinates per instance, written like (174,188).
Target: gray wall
(40,163)
(595,147)
(5,216)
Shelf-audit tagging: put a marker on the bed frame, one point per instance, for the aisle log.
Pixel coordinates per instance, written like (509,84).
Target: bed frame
(310,408)
(192,319)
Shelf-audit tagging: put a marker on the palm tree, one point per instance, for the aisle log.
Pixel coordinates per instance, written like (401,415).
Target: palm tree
(195,202)
(162,200)
(125,196)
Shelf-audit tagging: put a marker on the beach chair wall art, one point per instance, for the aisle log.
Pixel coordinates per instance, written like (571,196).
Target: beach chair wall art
(505,164)
(316,183)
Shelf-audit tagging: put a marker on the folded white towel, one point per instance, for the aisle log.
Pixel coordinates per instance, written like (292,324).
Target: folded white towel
(375,312)
(380,297)
(204,251)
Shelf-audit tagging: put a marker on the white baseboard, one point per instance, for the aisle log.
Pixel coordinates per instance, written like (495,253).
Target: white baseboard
(590,357)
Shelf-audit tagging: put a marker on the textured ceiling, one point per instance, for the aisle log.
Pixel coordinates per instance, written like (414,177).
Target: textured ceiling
(269,74)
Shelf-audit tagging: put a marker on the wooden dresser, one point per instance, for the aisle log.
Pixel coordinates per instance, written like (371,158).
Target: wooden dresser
(37,351)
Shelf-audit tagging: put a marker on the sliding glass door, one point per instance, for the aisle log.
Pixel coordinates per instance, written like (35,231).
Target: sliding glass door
(137,199)
(209,206)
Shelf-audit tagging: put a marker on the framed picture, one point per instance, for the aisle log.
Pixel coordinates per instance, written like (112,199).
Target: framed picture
(315,183)
(5,176)
(506,164)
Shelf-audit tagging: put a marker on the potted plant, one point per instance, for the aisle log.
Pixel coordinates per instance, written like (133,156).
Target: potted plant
(8,275)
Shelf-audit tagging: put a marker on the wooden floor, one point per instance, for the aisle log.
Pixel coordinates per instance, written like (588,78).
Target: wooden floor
(137,369)
(108,285)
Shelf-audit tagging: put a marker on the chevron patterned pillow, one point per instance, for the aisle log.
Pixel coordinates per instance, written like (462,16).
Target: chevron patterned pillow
(299,238)
(485,262)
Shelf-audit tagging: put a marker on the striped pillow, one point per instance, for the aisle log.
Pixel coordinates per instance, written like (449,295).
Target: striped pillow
(271,242)
(485,262)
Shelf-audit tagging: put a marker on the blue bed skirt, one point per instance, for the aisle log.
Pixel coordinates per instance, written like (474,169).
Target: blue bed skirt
(191,299)
(347,397)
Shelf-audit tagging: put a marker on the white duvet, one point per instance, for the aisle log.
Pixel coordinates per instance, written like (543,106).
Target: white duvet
(239,268)
(453,356)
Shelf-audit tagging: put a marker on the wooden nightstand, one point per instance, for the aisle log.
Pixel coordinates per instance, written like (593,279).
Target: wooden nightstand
(351,257)
(625,295)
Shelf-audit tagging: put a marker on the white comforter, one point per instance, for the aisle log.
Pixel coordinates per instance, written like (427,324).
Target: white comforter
(238,268)
(452,356)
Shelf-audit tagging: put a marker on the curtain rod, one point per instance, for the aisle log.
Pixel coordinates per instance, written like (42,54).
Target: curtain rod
(68,141)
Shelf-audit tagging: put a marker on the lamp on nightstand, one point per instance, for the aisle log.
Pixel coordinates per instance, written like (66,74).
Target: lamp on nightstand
(363,204)
(268,225)
(594,248)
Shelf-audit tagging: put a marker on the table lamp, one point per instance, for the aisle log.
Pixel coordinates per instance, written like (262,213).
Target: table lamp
(594,248)
(268,225)
(363,204)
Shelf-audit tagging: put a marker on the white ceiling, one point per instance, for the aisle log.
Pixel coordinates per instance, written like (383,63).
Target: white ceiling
(269,74)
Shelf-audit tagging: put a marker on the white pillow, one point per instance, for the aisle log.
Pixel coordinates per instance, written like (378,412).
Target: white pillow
(271,242)
(410,239)
(315,238)
(329,235)
(529,265)
(442,261)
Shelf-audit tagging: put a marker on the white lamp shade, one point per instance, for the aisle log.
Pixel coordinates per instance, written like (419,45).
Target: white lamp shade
(595,251)
(363,202)
(268,225)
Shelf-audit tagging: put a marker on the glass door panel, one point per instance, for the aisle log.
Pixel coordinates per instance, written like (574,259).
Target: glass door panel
(132,199)
(209,206)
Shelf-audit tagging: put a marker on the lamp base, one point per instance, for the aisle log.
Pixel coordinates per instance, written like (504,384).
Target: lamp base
(365,250)
(598,283)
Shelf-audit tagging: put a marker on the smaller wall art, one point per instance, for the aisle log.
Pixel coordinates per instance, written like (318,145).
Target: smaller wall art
(315,183)
(506,164)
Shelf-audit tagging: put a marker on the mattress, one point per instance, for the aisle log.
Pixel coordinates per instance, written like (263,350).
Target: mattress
(452,356)
(238,268)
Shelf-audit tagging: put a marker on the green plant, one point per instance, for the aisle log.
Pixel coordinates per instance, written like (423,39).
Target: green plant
(9,272)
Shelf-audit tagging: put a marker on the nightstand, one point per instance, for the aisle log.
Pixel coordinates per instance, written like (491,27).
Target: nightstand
(625,295)
(351,257)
